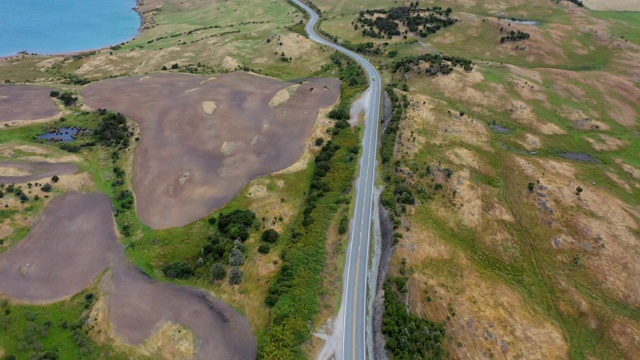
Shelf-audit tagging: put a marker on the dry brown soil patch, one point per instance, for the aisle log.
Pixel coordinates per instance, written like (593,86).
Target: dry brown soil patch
(26,103)
(189,163)
(19,172)
(64,252)
(138,307)
(75,240)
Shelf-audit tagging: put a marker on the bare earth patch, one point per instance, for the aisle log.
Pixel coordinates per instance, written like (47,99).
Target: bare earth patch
(612,5)
(243,139)
(24,103)
(139,307)
(70,245)
(491,320)
(18,172)
(75,240)
(209,107)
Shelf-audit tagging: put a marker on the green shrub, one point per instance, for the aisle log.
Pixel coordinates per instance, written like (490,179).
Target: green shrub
(178,270)
(270,236)
(235,276)
(264,249)
(218,272)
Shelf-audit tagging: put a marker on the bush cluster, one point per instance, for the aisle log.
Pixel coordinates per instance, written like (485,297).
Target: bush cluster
(438,64)
(420,21)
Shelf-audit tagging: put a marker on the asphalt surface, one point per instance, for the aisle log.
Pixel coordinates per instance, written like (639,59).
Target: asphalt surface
(357,261)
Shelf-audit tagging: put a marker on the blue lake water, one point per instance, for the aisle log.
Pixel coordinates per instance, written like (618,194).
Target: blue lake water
(62,134)
(58,26)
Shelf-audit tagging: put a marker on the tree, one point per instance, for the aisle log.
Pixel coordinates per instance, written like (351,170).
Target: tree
(178,270)
(339,114)
(531,186)
(264,249)
(270,236)
(235,276)
(319,141)
(175,66)
(54,94)
(55,178)
(46,187)
(578,190)
(236,258)
(218,272)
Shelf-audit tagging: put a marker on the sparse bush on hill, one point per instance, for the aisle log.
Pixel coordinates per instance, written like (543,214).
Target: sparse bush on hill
(264,249)
(218,271)
(514,36)
(379,23)
(270,236)
(339,114)
(236,221)
(235,275)
(438,64)
(46,187)
(113,130)
(409,336)
(236,258)
(178,270)
(67,98)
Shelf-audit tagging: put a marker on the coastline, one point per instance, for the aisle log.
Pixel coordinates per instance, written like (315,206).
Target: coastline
(138,11)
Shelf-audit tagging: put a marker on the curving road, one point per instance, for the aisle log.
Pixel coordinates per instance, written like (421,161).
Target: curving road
(356,266)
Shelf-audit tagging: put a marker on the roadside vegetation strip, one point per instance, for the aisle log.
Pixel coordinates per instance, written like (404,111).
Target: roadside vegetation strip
(294,295)
(409,336)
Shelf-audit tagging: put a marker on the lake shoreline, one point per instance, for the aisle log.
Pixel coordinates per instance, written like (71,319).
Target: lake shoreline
(80,52)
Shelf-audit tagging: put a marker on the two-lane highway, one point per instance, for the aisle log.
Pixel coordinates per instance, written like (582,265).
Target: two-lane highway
(357,261)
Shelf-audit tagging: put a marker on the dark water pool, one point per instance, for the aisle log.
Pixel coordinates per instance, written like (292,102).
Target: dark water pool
(500,129)
(579,157)
(63,134)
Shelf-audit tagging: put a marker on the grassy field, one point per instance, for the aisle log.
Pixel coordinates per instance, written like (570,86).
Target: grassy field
(548,254)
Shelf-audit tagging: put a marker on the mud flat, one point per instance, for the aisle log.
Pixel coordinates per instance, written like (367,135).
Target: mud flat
(138,306)
(75,241)
(23,103)
(36,170)
(71,244)
(203,139)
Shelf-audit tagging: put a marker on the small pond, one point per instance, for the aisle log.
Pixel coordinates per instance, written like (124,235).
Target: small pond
(500,129)
(64,134)
(579,157)
(522,21)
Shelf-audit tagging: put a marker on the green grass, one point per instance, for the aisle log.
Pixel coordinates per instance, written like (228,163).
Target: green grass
(623,23)
(28,331)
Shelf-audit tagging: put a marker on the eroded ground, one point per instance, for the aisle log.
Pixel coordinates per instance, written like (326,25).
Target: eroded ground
(75,240)
(19,172)
(67,249)
(25,103)
(202,140)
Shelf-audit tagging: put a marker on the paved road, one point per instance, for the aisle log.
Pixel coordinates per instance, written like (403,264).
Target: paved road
(356,266)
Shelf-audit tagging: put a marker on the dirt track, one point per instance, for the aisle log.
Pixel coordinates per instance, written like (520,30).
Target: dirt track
(37,170)
(70,245)
(75,240)
(24,102)
(189,162)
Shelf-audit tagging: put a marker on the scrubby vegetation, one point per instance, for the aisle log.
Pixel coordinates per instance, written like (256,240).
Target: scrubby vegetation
(379,23)
(514,36)
(51,332)
(409,336)
(436,64)
(294,294)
